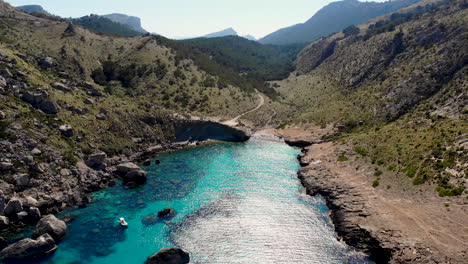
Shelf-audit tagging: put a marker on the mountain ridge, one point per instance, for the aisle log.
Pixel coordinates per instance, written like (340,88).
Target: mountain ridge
(333,18)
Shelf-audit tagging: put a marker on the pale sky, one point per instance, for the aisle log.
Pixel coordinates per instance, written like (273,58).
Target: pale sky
(189,18)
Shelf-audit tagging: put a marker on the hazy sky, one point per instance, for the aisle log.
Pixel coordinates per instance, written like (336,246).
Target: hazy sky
(186,18)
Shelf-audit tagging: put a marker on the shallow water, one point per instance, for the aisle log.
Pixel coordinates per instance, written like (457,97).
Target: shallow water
(235,203)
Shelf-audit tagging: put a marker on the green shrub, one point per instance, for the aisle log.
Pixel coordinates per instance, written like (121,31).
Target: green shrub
(378,173)
(361,151)
(342,158)
(375,183)
(411,171)
(70,158)
(392,167)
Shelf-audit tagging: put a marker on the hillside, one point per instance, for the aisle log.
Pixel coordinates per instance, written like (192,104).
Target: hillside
(106,26)
(67,92)
(399,88)
(334,18)
(133,22)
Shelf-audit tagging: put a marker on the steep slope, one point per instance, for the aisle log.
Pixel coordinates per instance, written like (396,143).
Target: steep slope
(334,18)
(131,21)
(222,33)
(56,111)
(400,85)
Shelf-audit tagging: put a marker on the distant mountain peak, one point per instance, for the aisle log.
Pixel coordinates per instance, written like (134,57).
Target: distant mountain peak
(223,33)
(250,37)
(33,9)
(131,21)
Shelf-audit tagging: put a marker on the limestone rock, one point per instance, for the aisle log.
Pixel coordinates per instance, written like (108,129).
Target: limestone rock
(22,180)
(34,214)
(96,160)
(49,224)
(13,207)
(169,256)
(62,87)
(29,248)
(66,130)
(124,168)
(3,82)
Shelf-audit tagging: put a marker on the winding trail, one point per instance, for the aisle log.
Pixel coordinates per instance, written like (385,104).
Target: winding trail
(234,122)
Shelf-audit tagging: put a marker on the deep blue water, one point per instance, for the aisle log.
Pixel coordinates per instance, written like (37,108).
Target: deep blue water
(235,203)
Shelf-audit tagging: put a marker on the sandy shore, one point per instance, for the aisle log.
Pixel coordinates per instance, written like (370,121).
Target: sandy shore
(392,225)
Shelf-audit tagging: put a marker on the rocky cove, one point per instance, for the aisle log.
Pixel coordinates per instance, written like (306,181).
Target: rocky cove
(238,197)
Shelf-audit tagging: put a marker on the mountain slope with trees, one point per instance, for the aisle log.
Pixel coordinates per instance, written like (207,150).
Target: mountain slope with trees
(334,18)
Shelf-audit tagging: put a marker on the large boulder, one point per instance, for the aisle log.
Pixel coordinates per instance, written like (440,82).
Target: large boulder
(49,224)
(66,131)
(46,62)
(48,107)
(29,248)
(3,82)
(169,256)
(13,207)
(138,177)
(41,102)
(97,160)
(22,180)
(124,168)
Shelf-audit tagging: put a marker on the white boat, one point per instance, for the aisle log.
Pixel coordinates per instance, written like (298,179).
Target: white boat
(122,222)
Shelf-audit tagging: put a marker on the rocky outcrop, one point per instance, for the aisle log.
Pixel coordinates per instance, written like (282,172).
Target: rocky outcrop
(196,130)
(49,224)
(169,256)
(97,160)
(131,174)
(41,102)
(29,248)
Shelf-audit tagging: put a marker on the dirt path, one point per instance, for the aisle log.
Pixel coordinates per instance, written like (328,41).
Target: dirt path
(234,122)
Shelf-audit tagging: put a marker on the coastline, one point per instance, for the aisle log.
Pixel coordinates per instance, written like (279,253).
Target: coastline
(389,225)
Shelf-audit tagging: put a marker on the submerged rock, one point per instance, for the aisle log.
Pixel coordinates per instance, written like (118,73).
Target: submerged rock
(169,256)
(168,212)
(149,220)
(29,248)
(51,225)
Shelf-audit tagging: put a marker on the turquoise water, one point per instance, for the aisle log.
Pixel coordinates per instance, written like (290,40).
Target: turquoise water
(235,203)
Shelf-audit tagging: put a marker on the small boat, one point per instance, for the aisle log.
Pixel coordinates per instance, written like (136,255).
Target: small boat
(122,222)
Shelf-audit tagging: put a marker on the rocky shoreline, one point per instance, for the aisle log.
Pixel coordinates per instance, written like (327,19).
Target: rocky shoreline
(376,224)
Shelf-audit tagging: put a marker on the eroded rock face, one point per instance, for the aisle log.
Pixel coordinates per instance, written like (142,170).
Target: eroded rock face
(46,62)
(51,225)
(169,256)
(29,248)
